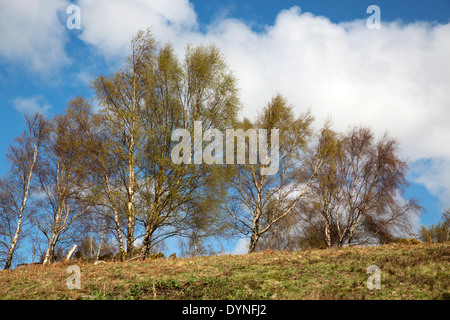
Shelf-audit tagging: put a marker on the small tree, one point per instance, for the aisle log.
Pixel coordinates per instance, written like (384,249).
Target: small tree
(19,186)
(356,195)
(62,180)
(179,197)
(105,193)
(257,201)
(437,233)
(122,98)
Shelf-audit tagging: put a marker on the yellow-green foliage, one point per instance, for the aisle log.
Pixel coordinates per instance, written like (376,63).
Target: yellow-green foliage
(406,241)
(173,256)
(157,256)
(414,241)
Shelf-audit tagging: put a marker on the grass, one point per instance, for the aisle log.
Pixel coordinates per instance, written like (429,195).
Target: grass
(420,271)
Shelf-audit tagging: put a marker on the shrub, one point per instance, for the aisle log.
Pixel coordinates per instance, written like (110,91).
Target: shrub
(402,241)
(173,256)
(406,241)
(157,256)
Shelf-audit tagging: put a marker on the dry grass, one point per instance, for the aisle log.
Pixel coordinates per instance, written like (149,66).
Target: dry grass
(419,271)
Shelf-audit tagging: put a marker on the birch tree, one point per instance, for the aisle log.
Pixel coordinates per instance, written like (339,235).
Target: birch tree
(357,195)
(61,180)
(324,199)
(20,185)
(105,181)
(122,97)
(180,196)
(258,201)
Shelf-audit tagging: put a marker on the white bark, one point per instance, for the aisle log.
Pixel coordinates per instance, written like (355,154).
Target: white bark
(71,251)
(22,209)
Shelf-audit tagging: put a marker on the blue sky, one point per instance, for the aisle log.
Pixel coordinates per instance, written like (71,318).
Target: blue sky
(318,53)
(261,13)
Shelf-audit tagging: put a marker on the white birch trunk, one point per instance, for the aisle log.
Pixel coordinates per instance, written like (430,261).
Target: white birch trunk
(21,211)
(71,251)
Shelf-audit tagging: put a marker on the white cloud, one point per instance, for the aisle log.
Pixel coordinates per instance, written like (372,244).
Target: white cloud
(31,105)
(395,79)
(32,35)
(434,174)
(109,25)
(241,246)
(138,242)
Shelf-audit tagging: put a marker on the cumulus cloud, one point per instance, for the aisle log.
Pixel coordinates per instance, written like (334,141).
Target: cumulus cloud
(434,174)
(31,105)
(109,25)
(241,246)
(395,79)
(32,34)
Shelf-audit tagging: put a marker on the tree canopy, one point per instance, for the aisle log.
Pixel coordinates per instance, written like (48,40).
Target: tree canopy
(166,154)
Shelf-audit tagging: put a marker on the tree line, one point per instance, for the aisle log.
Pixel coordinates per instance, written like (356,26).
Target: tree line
(437,233)
(104,177)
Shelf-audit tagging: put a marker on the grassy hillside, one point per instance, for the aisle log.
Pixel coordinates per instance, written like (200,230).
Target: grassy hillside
(420,271)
